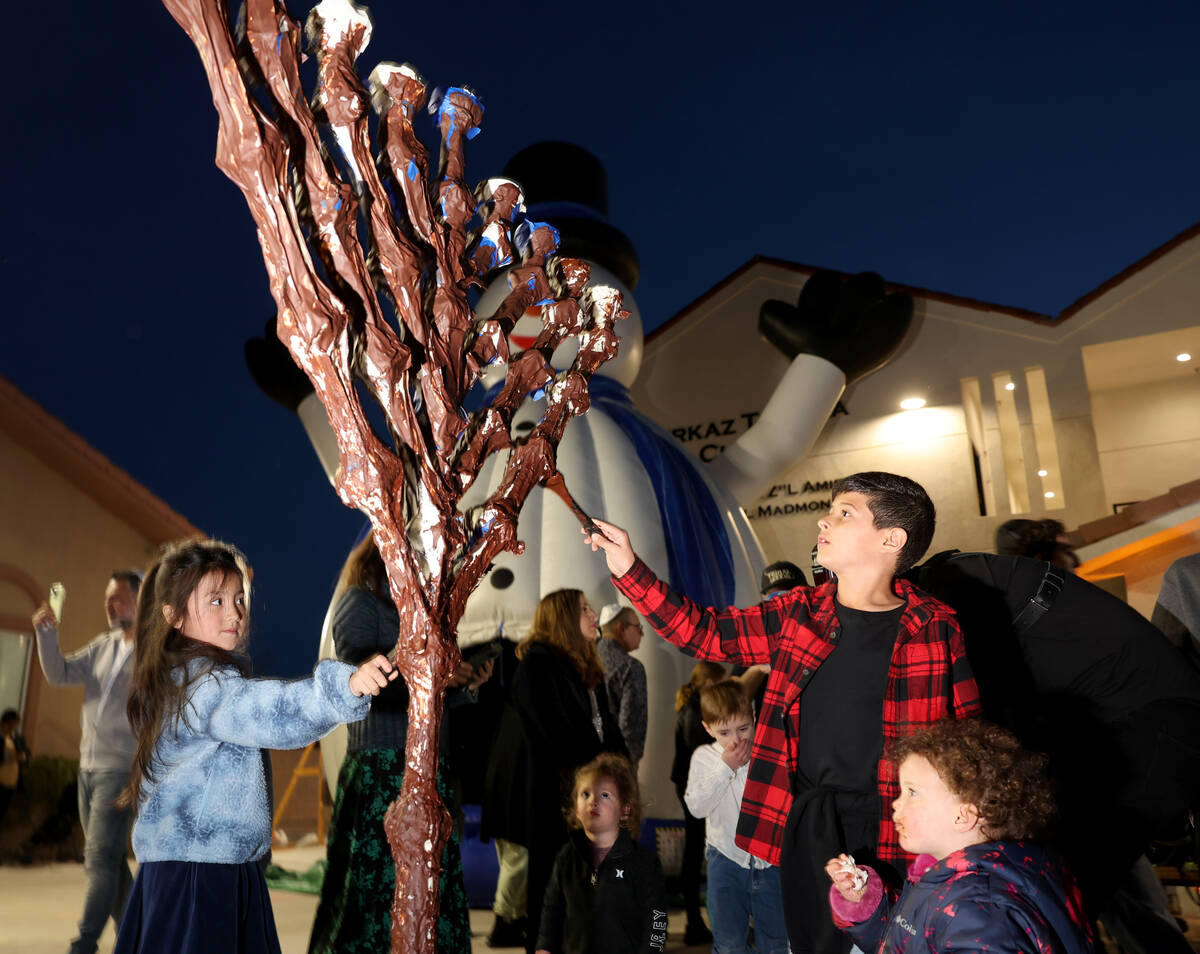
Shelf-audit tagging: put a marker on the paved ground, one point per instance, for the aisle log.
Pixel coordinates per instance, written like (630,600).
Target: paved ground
(39,907)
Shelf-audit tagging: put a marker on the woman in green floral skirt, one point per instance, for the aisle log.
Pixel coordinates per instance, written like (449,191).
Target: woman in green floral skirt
(354,916)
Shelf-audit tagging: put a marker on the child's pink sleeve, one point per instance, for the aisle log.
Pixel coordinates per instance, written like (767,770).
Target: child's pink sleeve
(847,913)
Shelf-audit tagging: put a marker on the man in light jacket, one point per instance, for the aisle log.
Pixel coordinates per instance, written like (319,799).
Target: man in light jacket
(106,749)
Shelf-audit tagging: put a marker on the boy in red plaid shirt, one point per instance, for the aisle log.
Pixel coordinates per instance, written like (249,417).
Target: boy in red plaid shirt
(819,775)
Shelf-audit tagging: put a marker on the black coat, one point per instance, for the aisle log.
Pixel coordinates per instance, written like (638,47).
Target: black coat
(556,716)
(1096,687)
(617,908)
(505,812)
(690,734)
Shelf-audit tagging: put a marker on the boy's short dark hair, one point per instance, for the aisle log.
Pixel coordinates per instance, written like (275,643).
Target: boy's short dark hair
(985,766)
(895,501)
(9,716)
(723,701)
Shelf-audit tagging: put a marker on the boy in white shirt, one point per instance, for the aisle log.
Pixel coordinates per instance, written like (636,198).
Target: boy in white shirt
(740,886)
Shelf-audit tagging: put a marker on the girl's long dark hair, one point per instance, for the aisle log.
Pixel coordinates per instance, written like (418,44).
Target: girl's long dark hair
(159,687)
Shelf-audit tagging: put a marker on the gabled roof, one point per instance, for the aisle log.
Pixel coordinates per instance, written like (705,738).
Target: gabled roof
(1126,273)
(84,467)
(945,297)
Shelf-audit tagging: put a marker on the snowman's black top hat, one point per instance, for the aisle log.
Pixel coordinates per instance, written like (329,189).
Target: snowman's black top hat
(567,186)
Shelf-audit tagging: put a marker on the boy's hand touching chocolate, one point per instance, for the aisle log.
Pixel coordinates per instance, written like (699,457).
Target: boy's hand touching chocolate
(614,541)
(849,879)
(736,754)
(372,676)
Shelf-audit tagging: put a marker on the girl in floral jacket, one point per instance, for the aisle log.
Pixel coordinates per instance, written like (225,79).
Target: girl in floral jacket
(970,800)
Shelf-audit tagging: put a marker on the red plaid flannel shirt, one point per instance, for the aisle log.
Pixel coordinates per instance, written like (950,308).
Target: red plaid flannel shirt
(928,680)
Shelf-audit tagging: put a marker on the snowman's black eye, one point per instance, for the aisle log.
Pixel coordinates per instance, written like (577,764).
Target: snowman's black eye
(522,427)
(502,577)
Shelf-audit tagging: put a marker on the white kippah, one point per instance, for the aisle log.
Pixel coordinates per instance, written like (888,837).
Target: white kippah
(609,613)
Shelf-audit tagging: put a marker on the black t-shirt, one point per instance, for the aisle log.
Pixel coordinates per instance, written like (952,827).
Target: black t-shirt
(841,709)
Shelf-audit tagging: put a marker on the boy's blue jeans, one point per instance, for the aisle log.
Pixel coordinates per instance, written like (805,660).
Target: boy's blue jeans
(734,895)
(105,832)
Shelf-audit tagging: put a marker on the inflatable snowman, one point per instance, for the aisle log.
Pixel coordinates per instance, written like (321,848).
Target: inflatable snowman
(684,516)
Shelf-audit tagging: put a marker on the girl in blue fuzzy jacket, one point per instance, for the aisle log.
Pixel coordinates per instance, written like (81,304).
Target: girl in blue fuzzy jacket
(198,782)
(970,798)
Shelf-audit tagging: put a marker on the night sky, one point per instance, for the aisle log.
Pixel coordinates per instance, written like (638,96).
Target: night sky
(1018,153)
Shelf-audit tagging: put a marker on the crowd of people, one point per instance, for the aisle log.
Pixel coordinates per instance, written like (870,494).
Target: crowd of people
(879,771)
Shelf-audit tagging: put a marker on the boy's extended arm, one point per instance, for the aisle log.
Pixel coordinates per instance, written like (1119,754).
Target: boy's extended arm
(274,713)
(741,636)
(708,780)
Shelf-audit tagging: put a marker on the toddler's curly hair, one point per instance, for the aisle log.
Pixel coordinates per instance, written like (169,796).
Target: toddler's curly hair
(619,771)
(985,765)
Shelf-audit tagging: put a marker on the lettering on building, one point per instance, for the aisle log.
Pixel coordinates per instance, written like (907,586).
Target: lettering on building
(787,509)
(708,431)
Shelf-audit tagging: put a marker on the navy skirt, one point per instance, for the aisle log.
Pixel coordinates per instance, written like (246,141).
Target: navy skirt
(195,907)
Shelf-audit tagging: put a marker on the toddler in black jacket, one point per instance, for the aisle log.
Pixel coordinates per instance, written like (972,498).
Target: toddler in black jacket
(606,893)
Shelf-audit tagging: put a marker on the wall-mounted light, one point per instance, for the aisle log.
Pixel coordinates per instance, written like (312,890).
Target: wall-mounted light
(911,404)
(1048,494)
(1010,386)
(1043,473)
(1183,356)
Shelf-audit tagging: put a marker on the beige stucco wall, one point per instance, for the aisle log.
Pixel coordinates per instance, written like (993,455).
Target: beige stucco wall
(705,375)
(1148,437)
(54,531)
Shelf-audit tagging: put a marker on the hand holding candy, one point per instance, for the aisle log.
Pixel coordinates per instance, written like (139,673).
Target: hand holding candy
(849,879)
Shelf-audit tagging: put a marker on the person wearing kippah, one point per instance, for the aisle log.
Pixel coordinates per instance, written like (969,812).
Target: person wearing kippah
(624,676)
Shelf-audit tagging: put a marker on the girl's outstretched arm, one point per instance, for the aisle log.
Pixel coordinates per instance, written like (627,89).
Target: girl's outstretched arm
(274,713)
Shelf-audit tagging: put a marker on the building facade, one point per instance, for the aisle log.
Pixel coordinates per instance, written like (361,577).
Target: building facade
(1074,416)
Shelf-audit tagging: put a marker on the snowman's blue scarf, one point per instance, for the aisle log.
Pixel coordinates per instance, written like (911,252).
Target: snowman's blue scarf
(699,557)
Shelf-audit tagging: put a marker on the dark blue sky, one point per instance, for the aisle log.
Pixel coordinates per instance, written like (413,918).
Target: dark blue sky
(1020,153)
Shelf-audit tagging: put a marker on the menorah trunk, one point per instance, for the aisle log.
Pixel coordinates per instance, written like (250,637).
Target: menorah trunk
(418,824)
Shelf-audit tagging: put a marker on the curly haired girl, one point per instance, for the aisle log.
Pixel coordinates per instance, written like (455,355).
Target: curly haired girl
(606,892)
(970,801)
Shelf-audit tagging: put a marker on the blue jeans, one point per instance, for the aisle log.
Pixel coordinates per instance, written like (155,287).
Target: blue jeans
(734,895)
(105,833)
